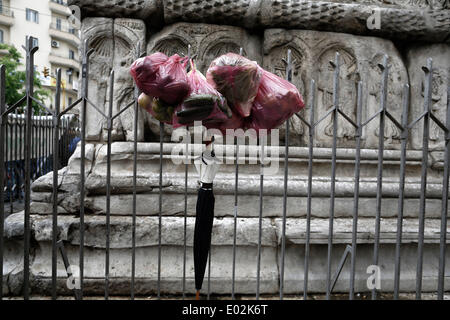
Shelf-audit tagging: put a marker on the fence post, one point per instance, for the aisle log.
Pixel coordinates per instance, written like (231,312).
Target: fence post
(161,137)
(336,66)
(135,138)
(2,170)
(84,93)
(401,193)
(30,50)
(286,167)
(108,182)
(384,80)
(356,196)
(428,70)
(443,237)
(312,92)
(55,181)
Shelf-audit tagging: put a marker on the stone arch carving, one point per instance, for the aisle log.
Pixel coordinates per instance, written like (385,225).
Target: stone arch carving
(98,32)
(173,45)
(127,34)
(348,77)
(218,49)
(438,104)
(277,54)
(391,132)
(277,65)
(217,43)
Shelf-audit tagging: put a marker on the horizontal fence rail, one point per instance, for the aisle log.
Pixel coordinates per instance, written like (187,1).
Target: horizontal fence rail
(32,146)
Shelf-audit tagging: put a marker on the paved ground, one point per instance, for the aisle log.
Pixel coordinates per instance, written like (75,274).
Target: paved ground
(364,296)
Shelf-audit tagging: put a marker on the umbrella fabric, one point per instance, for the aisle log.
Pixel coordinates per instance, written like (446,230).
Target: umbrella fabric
(202,232)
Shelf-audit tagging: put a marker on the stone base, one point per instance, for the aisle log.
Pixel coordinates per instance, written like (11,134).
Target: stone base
(221,270)
(172,254)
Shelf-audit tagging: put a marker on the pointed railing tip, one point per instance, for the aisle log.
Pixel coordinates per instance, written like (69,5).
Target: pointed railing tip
(336,61)
(429,66)
(384,64)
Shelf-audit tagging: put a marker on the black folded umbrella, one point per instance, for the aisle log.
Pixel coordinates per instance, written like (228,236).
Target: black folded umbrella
(202,233)
(207,165)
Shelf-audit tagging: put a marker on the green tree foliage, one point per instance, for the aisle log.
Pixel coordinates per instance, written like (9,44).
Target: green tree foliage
(15,80)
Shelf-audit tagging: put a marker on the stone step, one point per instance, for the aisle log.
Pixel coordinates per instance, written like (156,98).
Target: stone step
(172,230)
(245,269)
(248,206)
(173,172)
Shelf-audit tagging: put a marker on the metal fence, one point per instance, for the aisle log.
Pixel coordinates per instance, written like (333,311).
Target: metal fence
(41,150)
(383,115)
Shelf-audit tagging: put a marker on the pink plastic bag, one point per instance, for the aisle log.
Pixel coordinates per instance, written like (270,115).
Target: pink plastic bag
(277,100)
(203,103)
(235,122)
(237,78)
(162,77)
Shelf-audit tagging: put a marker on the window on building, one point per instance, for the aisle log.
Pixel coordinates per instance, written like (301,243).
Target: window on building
(1,36)
(1,6)
(70,100)
(32,15)
(71,54)
(70,75)
(58,23)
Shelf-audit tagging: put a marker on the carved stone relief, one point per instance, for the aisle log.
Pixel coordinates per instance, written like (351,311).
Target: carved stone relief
(148,9)
(427,20)
(416,58)
(127,34)
(99,32)
(114,44)
(359,57)
(207,42)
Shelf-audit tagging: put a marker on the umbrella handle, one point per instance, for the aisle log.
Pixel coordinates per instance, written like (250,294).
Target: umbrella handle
(197,295)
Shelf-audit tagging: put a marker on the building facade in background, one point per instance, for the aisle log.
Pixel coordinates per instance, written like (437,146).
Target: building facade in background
(46,21)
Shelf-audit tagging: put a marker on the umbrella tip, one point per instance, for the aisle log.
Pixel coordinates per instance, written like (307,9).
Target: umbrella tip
(197,295)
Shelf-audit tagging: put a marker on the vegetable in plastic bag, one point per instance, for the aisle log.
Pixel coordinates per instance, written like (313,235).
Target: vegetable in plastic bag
(161,77)
(158,109)
(277,100)
(204,103)
(237,78)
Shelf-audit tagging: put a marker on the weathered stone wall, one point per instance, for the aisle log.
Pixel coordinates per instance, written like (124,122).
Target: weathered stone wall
(115,39)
